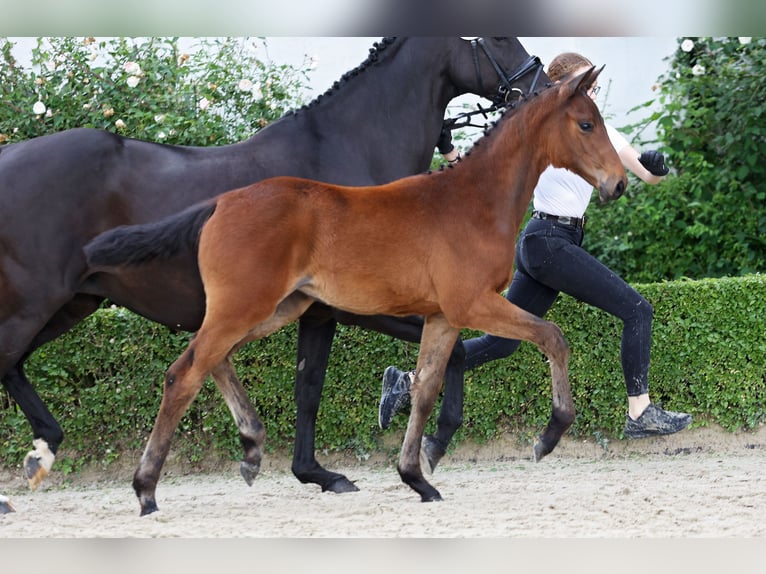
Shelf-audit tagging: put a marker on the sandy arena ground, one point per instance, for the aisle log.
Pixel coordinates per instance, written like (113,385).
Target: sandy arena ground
(699,483)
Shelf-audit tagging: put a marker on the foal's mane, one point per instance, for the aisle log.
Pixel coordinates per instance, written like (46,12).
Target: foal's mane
(375,52)
(492,129)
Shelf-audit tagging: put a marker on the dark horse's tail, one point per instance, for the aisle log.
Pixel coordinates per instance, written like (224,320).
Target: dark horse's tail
(137,244)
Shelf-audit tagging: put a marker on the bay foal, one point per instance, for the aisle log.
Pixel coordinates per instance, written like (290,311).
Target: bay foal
(268,251)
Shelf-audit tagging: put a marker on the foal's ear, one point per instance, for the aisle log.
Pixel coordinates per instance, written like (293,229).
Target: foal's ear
(583,81)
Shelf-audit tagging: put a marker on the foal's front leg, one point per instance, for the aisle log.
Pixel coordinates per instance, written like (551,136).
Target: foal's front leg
(494,314)
(435,348)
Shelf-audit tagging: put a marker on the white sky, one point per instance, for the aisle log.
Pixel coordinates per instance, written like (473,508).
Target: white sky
(633,64)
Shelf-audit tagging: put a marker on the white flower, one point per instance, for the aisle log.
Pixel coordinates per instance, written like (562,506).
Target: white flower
(314,62)
(162,135)
(245,85)
(159,118)
(50,65)
(49,113)
(745,39)
(87,106)
(257,93)
(132,68)
(698,70)
(119,124)
(687,45)
(133,81)
(203,104)
(38,108)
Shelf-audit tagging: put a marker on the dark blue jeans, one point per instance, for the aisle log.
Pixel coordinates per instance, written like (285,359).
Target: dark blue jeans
(549,261)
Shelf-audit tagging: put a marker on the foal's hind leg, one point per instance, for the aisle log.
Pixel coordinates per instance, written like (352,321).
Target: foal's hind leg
(435,347)
(183,381)
(221,333)
(251,431)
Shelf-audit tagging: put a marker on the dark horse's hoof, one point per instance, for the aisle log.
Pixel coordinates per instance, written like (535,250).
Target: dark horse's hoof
(340,485)
(249,471)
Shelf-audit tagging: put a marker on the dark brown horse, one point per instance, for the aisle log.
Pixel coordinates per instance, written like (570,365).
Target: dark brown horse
(380,122)
(269,251)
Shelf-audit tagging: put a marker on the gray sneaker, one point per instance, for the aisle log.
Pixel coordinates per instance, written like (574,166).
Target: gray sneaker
(655,421)
(394,396)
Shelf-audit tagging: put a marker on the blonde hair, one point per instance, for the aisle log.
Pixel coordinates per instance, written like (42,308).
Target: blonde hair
(564,64)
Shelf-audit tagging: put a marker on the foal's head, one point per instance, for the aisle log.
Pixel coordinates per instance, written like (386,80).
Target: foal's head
(577,137)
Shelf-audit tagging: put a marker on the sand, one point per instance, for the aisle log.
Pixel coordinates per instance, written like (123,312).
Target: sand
(701,483)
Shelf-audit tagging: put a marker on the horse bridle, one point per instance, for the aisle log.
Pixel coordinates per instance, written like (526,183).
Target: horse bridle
(506,89)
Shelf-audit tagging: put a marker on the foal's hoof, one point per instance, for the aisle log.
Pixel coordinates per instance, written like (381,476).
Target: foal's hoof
(540,450)
(340,485)
(5,506)
(249,471)
(433,497)
(148,507)
(431,453)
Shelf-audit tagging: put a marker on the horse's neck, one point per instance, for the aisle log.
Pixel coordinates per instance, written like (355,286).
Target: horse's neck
(502,172)
(394,107)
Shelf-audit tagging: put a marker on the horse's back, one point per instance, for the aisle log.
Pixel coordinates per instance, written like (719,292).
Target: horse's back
(331,242)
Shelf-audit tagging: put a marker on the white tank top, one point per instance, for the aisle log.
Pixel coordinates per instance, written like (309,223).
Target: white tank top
(564,193)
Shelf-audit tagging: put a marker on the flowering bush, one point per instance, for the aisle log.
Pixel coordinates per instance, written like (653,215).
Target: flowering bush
(707,219)
(218,92)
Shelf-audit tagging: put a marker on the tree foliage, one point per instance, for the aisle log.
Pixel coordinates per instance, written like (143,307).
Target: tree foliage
(707,219)
(219,91)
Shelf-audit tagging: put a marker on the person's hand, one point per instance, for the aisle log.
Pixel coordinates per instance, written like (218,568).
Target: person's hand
(654,162)
(444,143)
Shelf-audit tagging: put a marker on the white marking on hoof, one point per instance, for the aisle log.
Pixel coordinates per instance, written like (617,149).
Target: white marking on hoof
(38,463)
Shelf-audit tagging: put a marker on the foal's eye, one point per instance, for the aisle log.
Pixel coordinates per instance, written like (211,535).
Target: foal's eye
(586,126)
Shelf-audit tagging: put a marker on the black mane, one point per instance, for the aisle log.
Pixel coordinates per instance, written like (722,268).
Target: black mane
(372,59)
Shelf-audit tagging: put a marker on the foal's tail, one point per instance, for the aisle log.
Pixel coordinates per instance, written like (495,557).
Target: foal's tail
(142,243)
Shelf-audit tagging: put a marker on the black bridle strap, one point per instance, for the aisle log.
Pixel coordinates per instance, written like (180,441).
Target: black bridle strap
(531,63)
(504,90)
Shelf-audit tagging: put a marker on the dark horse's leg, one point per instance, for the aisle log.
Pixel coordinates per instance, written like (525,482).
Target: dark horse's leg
(47,433)
(316,329)
(450,418)
(315,333)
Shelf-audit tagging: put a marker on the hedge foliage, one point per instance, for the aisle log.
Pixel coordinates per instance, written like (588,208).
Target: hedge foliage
(103,380)
(706,219)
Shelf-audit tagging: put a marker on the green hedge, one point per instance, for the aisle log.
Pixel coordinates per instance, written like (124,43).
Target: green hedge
(103,380)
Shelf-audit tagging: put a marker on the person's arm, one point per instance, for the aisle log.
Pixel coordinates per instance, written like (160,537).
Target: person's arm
(649,166)
(445,146)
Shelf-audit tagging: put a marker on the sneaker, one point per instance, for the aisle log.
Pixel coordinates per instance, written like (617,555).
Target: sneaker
(656,421)
(394,396)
